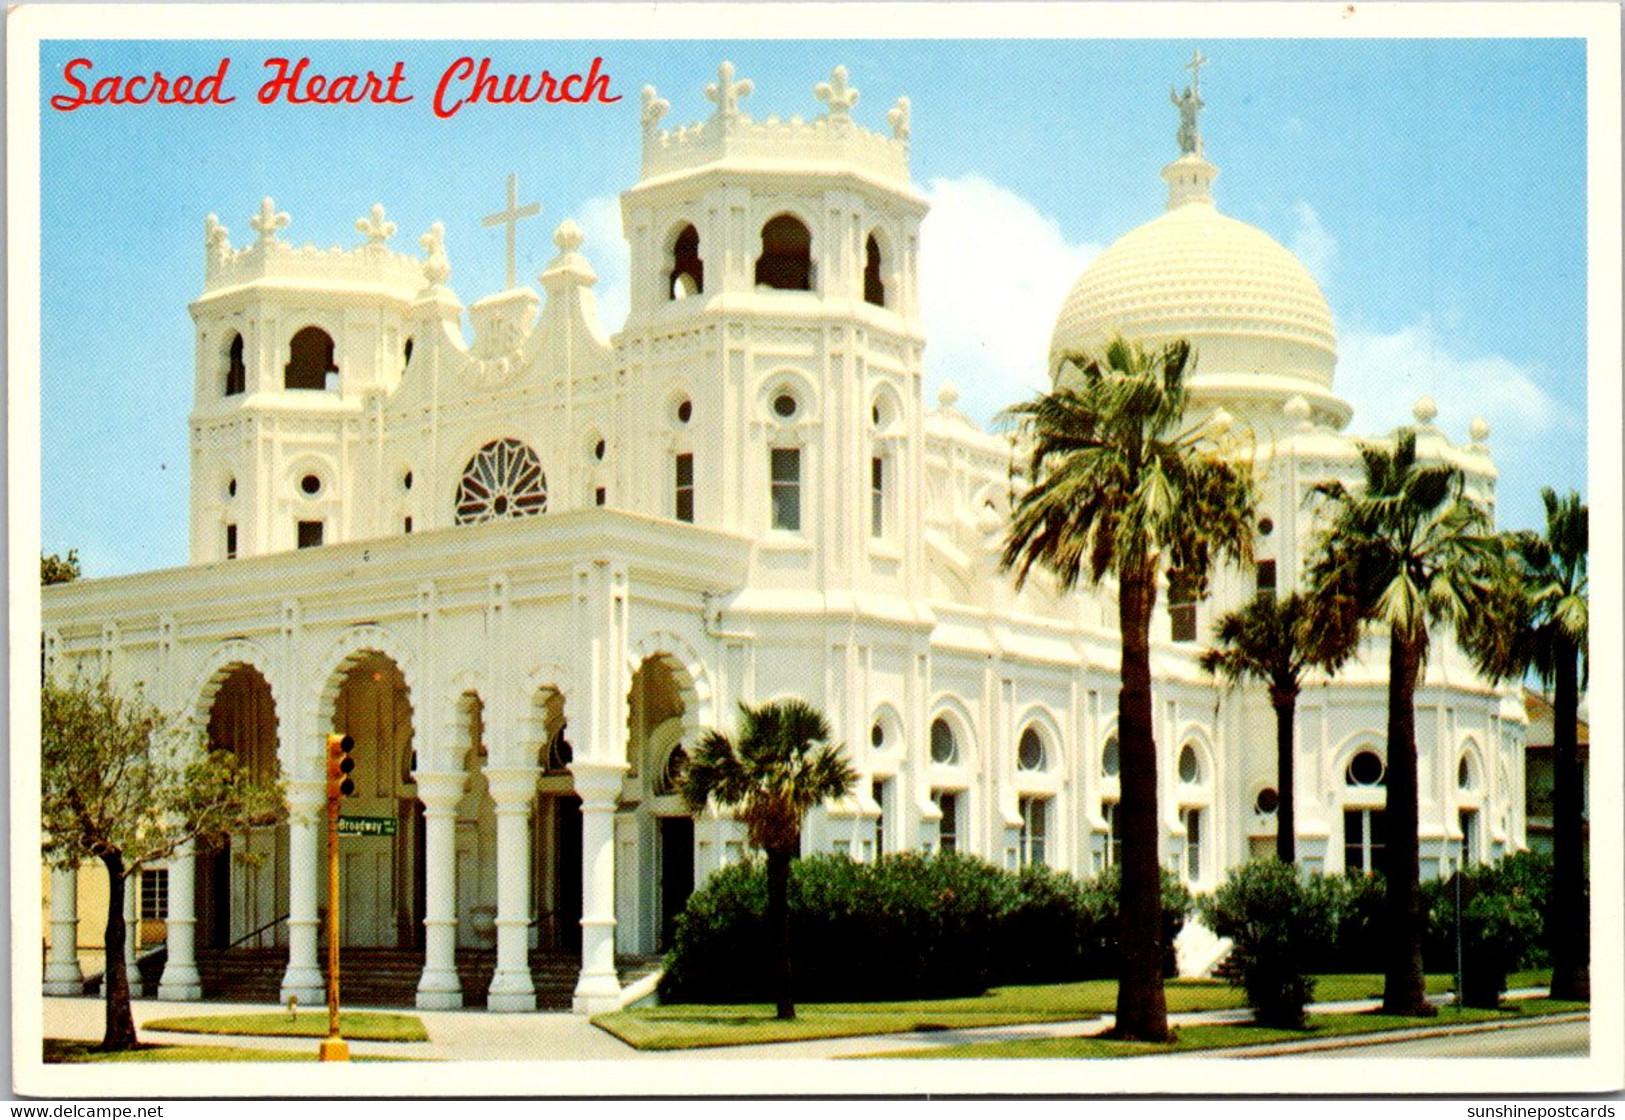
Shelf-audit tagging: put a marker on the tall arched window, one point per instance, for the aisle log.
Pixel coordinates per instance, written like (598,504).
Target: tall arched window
(236,371)
(786,260)
(874,288)
(687,269)
(504,479)
(310,360)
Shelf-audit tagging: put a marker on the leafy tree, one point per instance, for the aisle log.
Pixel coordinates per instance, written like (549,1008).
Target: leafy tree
(781,765)
(58,569)
(1404,551)
(1122,488)
(1538,622)
(1275,641)
(123,783)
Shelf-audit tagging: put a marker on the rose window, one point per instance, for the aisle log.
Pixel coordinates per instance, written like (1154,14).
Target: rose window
(504,480)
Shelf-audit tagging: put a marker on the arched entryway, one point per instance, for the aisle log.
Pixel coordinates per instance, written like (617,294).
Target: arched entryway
(556,829)
(657,884)
(476,835)
(382,854)
(242,886)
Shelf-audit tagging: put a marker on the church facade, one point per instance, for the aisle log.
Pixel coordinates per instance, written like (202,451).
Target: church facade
(524,571)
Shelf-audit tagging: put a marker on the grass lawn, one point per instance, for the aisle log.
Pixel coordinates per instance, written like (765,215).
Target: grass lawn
(1214,1036)
(62,1050)
(692,1025)
(371,1026)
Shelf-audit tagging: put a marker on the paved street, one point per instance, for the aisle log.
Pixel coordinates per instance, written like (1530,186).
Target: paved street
(1546,1040)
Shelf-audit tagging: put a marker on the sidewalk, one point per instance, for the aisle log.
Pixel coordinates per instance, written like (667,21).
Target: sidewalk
(482,1036)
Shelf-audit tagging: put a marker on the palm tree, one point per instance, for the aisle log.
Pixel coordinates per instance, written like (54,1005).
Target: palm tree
(1121,488)
(1274,641)
(781,765)
(1539,622)
(1404,552)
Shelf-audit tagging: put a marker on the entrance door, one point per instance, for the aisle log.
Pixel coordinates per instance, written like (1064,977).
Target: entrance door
(676,872)
(567,878)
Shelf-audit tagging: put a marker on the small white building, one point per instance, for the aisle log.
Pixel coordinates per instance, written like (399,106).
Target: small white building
(524,571)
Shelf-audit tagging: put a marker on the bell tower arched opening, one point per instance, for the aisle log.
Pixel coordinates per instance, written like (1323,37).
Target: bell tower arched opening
(687,269)
(786,259)
(874,288)
(310,360)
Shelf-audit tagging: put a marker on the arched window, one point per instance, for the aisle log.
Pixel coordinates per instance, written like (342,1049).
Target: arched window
(504,479)
(874,288)
(687,269)
(310,360)
(1111,759)
(1190,767)
(1030,753)
(786,260)
(944,749)
(236,371)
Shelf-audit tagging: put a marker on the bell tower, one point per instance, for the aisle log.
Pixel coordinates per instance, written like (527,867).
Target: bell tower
(773,346)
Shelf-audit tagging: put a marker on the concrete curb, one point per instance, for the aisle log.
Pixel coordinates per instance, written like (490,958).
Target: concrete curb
(1377,1038)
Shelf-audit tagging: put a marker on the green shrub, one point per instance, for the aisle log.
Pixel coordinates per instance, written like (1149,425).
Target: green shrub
(1277,920)
(1354,902)
(1501,922)
(1102,890)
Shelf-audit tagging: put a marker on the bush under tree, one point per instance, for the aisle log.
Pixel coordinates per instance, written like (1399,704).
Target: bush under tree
(1277,920)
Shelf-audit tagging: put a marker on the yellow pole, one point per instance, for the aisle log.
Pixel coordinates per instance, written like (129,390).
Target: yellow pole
(333,1048)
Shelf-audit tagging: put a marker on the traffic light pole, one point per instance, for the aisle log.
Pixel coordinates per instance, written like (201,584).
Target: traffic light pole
(333,1047)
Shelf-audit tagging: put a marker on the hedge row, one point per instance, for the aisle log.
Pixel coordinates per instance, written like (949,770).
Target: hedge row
(904,927)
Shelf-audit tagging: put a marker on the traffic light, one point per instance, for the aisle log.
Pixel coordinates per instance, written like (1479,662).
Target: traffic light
(339,764)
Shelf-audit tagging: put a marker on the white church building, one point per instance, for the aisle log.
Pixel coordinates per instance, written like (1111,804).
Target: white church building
(524,571)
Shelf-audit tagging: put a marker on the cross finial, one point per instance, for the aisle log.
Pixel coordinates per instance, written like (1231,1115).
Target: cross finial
(1189,105)
(268,220)
(899,115)
(1195,67)
(654,108)
(511,217)
(835,93)
(377,229)
(726,92)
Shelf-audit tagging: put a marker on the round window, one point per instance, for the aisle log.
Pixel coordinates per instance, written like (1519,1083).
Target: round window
(944,750)
(1365,769)
(1111,760)
(1030,751)
(1189,770)
(877,736)
(311,485)
(685,411)
(1266,527)
(504,479)
(1268,801)
(784,406)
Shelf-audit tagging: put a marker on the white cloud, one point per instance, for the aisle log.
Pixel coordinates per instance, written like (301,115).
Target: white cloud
(1313,244)
(600,220)
(994,272)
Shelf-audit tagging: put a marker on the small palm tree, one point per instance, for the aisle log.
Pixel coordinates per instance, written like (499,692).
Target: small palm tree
(1405,551)
(781,765)
(1122,488)
(1539,622)
(1275,641)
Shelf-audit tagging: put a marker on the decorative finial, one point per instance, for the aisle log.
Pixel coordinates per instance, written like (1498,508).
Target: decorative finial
(948,395)
(899,115)
(1479,430)
(268,220)
(436,268)
(726,92)
(1220,423)
(216,238)
(511,217)
(837,94)
(568,236)
(1297,410)
(1425,410)
(377,229)
(1189,105)
(655,107)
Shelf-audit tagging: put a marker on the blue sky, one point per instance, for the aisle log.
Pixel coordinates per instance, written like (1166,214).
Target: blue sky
(1435,188)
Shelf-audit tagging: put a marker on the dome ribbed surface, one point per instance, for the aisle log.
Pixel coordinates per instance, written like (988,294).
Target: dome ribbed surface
(1236,294)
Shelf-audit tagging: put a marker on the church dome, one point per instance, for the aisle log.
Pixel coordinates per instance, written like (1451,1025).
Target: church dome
(1244,302)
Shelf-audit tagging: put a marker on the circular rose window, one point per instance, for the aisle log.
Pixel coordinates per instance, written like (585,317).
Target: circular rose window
(504,480)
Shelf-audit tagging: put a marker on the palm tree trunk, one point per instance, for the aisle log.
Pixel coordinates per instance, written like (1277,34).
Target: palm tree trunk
(778,924)
(1142,1010)
(1404,987)
(1570,943)
(1286,827)
(120,1029)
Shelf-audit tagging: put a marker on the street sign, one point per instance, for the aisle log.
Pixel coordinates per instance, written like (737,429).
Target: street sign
(366,826)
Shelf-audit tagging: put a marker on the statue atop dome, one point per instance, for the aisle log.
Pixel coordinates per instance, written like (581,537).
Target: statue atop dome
(1189,105)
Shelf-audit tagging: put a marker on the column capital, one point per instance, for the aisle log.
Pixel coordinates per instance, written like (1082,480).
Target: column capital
(512,786)
(597,781)
(440,790)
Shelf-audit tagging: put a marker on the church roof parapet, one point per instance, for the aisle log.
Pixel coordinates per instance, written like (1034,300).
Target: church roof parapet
(732,136)
(268,258)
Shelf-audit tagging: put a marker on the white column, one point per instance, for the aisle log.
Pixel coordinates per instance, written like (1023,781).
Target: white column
(599,988)
(306,817)
(514,791)
(181,979)
(63,976)
(439,988)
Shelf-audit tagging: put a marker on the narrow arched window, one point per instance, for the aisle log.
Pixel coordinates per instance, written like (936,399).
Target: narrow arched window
(874,288)
(310,360)
(236,371)
(786,260)
(687,269)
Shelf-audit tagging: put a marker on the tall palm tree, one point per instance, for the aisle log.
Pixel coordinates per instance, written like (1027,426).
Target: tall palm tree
(1275,641)
(1122,488)
(1404,551)
(781,765)
(1539,622)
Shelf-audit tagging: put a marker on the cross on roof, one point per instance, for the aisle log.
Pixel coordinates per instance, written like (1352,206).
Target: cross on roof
(1195,67)
(726,92)
(837,94)
(511,217)
(268,220)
